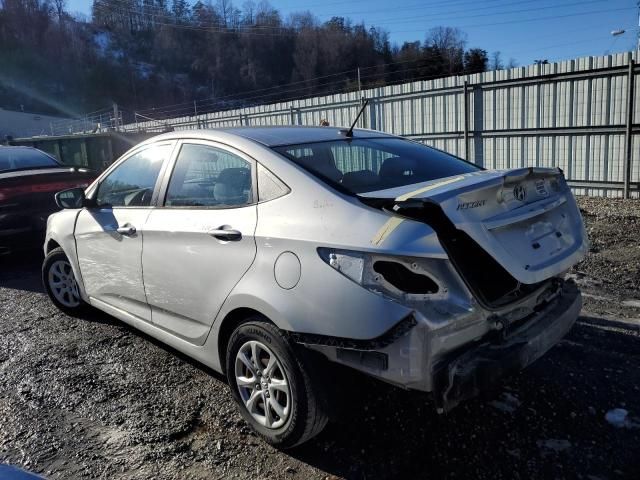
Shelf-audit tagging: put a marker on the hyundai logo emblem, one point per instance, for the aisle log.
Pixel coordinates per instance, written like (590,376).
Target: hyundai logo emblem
(519,192)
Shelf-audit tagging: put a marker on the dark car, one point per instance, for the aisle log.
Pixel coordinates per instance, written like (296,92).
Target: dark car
(29,178)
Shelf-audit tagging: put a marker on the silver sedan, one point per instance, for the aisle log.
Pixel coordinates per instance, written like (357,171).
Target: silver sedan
(266,252)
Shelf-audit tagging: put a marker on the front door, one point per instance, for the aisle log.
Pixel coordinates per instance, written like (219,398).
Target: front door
(199,244)
(109,235)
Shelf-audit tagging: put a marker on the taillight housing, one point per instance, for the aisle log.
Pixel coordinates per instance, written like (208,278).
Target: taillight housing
(7,193)
(398,277)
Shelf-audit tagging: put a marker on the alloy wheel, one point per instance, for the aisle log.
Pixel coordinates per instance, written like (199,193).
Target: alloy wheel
(263,384)
(63,284)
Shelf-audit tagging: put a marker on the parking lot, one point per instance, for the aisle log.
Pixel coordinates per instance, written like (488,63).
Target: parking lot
(92,398)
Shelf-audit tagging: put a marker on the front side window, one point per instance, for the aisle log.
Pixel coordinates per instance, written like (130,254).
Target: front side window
(370,164)
(131,183)
(206,176)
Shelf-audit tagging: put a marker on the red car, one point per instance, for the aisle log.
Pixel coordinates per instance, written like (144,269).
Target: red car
(29,178)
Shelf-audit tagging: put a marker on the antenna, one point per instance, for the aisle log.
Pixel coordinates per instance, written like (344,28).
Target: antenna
(350,131)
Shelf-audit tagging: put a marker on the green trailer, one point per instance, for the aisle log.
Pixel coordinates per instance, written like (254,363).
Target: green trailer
(95,151)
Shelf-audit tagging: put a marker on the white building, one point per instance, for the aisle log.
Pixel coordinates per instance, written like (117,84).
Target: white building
(23,124)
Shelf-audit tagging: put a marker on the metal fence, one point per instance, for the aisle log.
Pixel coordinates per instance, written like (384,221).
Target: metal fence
(580,115)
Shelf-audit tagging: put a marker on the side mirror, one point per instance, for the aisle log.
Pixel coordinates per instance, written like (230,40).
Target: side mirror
(71,198)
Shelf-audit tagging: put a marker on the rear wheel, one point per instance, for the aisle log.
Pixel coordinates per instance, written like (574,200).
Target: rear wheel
(60,282)
(272,384)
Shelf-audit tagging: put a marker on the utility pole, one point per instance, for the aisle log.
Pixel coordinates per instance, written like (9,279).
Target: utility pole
(628,152)
(195,108)
(638,44)
(359,85)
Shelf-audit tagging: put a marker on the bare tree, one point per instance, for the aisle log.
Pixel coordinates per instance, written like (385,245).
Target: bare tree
(59,6)
(496,61)
(449,42)
(266,14)
(300,20)
(225,10)
(249,12)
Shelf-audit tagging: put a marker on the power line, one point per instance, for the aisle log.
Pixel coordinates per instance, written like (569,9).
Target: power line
(125,7)
(491,14)
(285,88)
(158,11)
(288,31)
(204,101)
(528,20)
(423,6)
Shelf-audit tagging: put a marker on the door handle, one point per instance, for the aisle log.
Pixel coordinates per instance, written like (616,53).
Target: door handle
(126,229)
(225,233)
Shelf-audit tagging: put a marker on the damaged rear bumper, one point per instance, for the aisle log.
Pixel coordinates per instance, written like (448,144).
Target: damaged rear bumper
(464,374)
(457,359)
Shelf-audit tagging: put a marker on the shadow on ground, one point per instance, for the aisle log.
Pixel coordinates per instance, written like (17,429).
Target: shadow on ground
(547,422)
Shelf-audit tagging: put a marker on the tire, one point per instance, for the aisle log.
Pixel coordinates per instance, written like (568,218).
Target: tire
(297,408)
(60,283)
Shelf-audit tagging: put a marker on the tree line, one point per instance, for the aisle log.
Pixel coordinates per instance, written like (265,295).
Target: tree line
(203,56)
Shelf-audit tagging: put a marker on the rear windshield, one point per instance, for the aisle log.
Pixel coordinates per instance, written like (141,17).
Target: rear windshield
(367,165)
(19,158)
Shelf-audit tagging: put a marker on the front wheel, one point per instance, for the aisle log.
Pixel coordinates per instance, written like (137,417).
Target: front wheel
(60,282)
(273,385)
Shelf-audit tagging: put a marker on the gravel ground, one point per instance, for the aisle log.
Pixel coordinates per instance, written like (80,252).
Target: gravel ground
(92,398)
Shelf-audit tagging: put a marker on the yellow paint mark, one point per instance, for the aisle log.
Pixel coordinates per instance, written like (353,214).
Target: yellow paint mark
(409,195)
(386,230)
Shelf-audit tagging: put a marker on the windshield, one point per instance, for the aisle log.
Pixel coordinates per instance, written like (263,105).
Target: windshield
(19,158)
(367,165)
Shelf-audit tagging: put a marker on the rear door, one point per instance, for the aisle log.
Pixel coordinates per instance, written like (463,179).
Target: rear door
(200,242)
(109,235)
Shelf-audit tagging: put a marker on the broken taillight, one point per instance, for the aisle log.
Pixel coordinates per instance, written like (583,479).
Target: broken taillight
(397,277)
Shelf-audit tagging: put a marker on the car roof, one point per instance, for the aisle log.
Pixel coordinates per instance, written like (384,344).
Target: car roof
(279,135)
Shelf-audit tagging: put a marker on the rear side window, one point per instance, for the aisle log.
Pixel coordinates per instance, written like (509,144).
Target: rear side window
(370,164)
(270,187)
(131,183)
(207,176)
(12,158)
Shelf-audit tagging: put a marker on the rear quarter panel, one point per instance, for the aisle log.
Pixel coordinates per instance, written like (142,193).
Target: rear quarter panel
(323,301)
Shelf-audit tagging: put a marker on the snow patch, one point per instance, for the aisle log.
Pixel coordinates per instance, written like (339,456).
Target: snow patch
(507,403)
(619,418)
(557,445)
(144,69)
(631,303)
(102,41)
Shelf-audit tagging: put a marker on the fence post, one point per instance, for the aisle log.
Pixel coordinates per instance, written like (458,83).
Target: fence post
(364,117)
(373,121)
(466,120)
(293,115)
(115,115)
(628,152)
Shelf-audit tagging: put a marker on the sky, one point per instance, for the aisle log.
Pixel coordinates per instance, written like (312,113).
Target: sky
(524,30)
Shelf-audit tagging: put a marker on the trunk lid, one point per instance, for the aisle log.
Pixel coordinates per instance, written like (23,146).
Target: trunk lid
(525,219)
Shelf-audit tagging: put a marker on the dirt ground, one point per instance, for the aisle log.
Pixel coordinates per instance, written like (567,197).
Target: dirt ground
(92,398)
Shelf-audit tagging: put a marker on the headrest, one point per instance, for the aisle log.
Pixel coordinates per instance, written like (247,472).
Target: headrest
(397,167)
